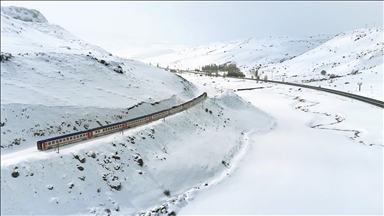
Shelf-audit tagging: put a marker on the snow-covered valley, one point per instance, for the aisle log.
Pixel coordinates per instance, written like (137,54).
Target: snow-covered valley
(273,150)
(325,156)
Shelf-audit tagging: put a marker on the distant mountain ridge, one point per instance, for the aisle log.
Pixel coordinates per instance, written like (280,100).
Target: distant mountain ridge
(24,14)
(247,53)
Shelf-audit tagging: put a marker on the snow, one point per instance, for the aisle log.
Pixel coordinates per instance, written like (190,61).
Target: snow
(55,83)
(24,14)
(296,169)
(355,56)
(272,150)
(247,52)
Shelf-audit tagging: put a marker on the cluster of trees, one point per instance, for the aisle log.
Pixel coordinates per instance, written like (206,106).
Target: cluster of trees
(229,69)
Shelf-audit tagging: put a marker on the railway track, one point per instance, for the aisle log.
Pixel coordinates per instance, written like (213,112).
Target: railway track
(371,101)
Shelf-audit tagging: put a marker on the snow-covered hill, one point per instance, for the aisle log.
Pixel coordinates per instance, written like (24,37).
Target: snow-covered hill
(54,83)
(48,72)
(300,151)
(247,53)
(347,59)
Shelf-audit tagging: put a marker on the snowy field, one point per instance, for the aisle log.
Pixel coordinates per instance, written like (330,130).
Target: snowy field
(325,156)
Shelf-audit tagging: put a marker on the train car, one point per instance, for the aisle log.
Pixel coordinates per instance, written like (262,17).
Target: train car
(107,129)
(160,114)
(139,120)
(63,140)
(176,109)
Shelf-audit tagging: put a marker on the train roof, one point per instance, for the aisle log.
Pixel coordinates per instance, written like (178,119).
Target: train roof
(113,124)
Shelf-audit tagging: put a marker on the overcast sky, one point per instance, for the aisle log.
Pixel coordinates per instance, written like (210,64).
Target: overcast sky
(202,22)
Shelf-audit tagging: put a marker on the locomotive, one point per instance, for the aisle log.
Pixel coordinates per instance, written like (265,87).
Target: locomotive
(115,127)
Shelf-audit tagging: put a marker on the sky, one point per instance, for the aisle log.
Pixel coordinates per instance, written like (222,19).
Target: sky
(113,23)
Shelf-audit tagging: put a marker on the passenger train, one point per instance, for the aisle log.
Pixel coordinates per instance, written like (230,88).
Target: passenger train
(100,131)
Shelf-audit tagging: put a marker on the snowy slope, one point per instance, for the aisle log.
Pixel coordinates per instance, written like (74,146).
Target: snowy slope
(351,57)
(184,152)
(323,157)
(54,83)
(247,53)
(50,74)
(348,58)
(297,152)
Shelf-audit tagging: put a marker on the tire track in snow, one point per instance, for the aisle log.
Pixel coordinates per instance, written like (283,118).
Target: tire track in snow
(339,119)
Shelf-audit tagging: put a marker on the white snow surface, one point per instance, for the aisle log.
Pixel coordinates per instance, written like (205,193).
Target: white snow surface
(247,52)
(352,57)
(272,150)
(55,83)
(324,156)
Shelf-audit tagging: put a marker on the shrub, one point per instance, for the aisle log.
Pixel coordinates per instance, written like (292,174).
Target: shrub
(15,174)
(167,192)
(5,57)
(172,213)
(140,162)
(323,72)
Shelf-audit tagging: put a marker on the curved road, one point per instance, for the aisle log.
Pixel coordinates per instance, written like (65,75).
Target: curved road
(371,101)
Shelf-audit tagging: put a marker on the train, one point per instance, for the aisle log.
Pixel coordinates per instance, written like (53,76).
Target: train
(115,127)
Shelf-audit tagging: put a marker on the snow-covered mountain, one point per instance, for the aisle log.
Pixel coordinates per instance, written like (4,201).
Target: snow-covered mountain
(341,63)
(54,83)
(247,53)
(344,58)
